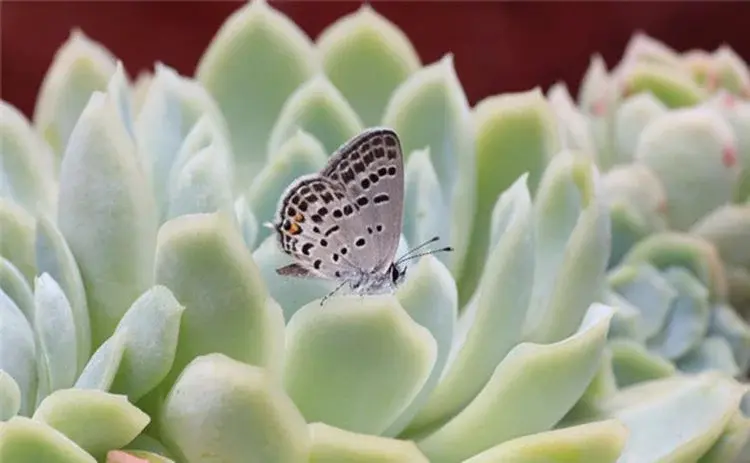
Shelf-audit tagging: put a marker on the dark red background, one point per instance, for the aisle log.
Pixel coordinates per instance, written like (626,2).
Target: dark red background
(498,46)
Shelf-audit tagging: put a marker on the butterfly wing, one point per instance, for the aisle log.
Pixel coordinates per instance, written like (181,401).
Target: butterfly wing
(317,225)
(369,170)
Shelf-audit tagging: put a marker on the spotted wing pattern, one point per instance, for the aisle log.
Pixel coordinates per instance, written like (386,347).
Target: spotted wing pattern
(314,225)
(369,169)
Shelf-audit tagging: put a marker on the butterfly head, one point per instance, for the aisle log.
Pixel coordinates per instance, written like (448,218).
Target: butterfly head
(397,274)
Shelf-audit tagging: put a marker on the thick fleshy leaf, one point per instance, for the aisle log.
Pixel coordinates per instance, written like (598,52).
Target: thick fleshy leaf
(24,440)
(290,293)
(646,289)
(632,116)
(672,86)
(737,113)
(247,222)
(356,363)
(97,421)
(56,337)
(330,445)
(731,71)
(731,442)
(426,214)
(366,56)
(626,321)
(53,256)
(80,67)
(637,203)
(596,86)
(318,108)
(100,371)
(600,441)
(491,324)
(203,185)
(599,98)
(244,402)
(106,214)
(705,148)
(508,406)
(301,154)
(119,88)
(688,318)
(713,353)
(256,36)
(728,228)
(642,48)
(203,260)
(430,297)
(671,249)
(170,110)
(208,130)
(632,363)
(17,243)
(674,419)
(727,324)
(573,127)
(15,286)
(573,242)
(18,352)
(140,90)
(27,166)
(515,134)
(602,386)
(430,110)
(10,397)
(150,330)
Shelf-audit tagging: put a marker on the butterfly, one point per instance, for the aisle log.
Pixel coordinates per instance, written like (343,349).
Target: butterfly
(344,222)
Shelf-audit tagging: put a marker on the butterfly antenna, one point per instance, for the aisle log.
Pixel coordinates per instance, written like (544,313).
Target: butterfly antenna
(431,251)
(411,251)
(322,301)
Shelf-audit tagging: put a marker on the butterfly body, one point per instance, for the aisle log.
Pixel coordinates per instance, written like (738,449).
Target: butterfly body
(344,223)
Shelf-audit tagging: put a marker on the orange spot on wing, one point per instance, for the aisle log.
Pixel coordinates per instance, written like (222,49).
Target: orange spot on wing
(294,229)
(299,218)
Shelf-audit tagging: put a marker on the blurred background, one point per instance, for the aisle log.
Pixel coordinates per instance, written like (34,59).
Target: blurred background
(499,46)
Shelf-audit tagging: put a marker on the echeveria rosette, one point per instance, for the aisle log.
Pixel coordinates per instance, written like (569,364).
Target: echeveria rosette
(141,318)
(670,293)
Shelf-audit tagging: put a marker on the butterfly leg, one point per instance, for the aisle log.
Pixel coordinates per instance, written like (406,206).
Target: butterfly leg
(322,301)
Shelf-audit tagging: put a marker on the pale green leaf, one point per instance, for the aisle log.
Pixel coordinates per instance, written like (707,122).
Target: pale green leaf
(232,411)
(23,440)
(601,442)
(366,57)
(28,168)
(255,61)
(333,445)
(704,146)
(10,397)
(18,352)
(490,325)
(150,330)
(318,108)
(357,362)
(107,215)
(80,67)
(203,260)
(97,421)
(53,256)
(509,407)
(56,337)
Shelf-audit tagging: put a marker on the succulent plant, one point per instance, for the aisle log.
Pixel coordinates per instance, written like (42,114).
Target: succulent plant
(141,317)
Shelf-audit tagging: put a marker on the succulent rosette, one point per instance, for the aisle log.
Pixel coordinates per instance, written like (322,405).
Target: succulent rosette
(142,319)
